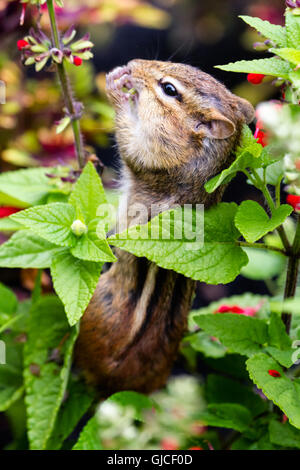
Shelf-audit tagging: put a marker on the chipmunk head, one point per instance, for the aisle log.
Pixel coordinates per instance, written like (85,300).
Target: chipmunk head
(167,113)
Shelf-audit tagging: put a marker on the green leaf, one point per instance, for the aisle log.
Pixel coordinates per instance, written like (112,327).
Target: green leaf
(273,66)
(295,78)
(204,343)
(284,435)
(79,400)
(11,379)
(292,24)
(8,300)
(227,415)
(253,222)
(135,400)
(8,225)
(51,222)
(280,344)
(263,264)
(240,334)
(45,379)
(27,250)
(219,389)
(23,188)
(271,31)
(89,438)
(274,173)
(247,158)
(88,193)
(288,53)
(284,392)
(199,261)
(74,281)
(92,248)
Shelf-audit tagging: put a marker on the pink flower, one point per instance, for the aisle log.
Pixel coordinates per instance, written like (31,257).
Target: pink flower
(169,444)
(255,78)
(6,211)
(247,311)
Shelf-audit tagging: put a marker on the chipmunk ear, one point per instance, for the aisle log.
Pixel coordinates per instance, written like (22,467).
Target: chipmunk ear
(246,109)
(216,127)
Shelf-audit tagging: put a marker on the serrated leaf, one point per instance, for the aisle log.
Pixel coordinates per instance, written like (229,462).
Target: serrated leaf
(292,24)
(24,188)
(25,249)
(253,222)
(272,66)
(45,380)
(219,389)
(263,264)
(240,334)
(92,248)
(8,225)
(8,300)
(78,401)
(227,415)
(88,193)
(271,31)
(51,221)
(135,400)
(284,392)
(74,281)
(284,435)
(89,438)
(201,342)
(287,53)
(247,158)
(199,261)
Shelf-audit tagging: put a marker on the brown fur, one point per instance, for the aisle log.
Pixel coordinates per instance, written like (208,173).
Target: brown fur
(131,330)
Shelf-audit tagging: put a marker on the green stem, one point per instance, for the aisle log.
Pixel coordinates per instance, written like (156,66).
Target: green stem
(264,189)
(66,89)
(292,275)
(262,246)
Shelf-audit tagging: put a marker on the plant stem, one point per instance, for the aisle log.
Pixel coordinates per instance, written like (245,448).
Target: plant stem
(292,275)
(262,246)
(66,89)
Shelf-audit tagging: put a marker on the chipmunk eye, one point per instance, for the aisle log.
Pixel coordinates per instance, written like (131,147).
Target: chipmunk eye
(169,89)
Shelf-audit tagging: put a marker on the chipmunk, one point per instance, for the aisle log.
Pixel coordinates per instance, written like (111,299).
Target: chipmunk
(176,131)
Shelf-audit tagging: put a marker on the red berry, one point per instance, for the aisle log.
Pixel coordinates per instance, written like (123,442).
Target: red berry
(274,373)
(6,211)
(195,448)
(294,201)
(21,44)
(77,61)
(255,78)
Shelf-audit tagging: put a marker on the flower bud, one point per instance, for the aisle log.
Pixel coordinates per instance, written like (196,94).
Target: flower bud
(78,228)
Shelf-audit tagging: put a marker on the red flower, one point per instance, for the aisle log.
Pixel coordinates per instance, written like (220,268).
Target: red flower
(255,78)
(274,373)
(260,135)
(294,201)
(6,211)
(77,61)
(169,444)
(21,44)
(247,311)
(195,448)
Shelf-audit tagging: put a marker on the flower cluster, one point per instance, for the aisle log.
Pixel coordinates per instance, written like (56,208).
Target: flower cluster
(37,48)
